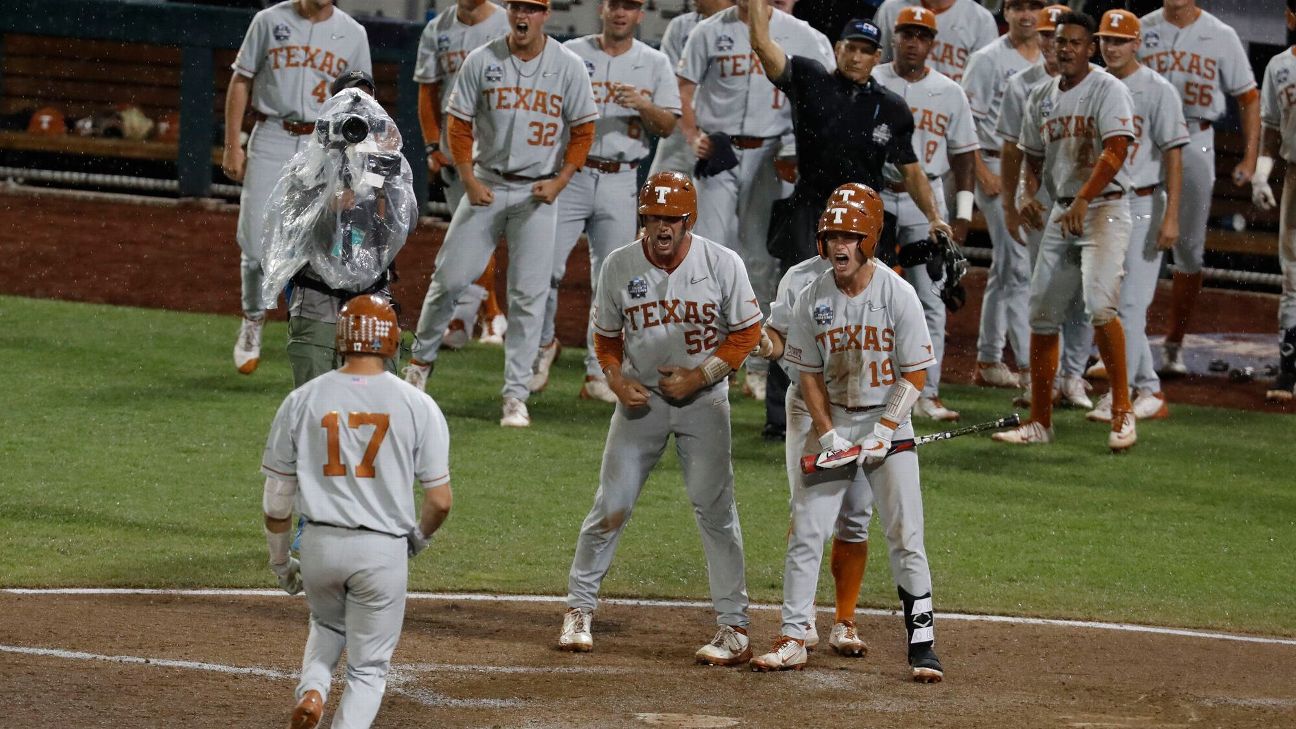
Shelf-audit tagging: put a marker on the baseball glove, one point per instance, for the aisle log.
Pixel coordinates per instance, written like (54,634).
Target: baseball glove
(946,266)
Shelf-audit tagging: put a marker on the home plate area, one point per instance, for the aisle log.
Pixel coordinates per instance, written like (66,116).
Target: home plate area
(211,658)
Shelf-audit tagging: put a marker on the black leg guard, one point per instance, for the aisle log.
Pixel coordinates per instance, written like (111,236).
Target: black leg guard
(920,627)
(1284,385)
(776,386)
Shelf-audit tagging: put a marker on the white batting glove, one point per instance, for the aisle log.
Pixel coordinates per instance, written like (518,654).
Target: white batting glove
(289,574)
(876,445)
(831,441)
(1262,195)
(416,541)
(765,347)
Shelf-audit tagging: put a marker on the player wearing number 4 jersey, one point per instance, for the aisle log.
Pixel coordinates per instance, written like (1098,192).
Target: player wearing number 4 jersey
(515,102)
(675,315)
(344,451)
(289,58)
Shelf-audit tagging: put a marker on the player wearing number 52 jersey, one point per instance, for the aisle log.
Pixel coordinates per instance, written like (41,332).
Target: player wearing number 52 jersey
(861,344)
(290,56)
(516,102)
(1204,59)
(344,451)
(674,315)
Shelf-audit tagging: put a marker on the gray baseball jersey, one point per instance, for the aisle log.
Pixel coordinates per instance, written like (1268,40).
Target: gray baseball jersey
(1158,125)
(521,110)
(1013,109)
(676,318)
(673,152)
(619,133)
(986,79)
(733,96)
(784,303)
(444,45)
(861,344)
(1277,99)
(1204,61)
(292,62)
(942,120)
(963,29)
(1068,128)
(357,444)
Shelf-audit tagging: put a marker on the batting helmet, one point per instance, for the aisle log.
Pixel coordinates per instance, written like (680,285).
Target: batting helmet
(354,78)
(864,220)
(669,194)
(852,192)
(367,325)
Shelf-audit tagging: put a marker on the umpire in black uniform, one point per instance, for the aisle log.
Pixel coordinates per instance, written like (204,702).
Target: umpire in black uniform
(847,126)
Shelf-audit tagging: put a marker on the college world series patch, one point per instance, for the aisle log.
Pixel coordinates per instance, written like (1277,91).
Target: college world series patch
(823,314)
(637,288)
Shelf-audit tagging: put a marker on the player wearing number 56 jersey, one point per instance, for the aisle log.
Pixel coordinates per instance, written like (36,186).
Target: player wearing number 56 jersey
(290,56)
(516,102)
(675,314)
(344,451)
(1204,60)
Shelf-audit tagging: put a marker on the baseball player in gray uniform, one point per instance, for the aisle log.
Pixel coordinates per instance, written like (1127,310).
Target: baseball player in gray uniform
(1204,59)
(1155,167)
(674,154)
(515,102)
(1276,110)
(446,42)
(944,139)
(724,89)
(1076,135)
(849,556)
(1007,287)
(289,58)
(637,95)
(962,28)
(1027,230)
(343,451)
(675,315)
(860,342)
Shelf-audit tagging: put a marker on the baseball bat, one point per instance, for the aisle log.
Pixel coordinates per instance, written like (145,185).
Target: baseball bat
(837,459)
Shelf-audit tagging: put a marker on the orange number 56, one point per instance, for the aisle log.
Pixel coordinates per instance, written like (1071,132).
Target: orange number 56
(335,466)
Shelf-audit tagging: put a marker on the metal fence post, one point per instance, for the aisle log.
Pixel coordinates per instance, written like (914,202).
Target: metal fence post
(196,124)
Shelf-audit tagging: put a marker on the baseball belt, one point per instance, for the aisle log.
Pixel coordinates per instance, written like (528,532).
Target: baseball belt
(745,142)
(510,177)
(300,129)
(1066,201)
(609,165)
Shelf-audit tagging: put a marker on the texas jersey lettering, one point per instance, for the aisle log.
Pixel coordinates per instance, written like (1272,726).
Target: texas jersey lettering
(445,45)
(1204,61)
(963,29)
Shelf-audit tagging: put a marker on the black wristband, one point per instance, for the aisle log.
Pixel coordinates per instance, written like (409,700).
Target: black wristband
(432,147)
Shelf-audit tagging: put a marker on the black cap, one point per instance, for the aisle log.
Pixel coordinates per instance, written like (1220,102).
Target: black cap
(352,79)
(864,30)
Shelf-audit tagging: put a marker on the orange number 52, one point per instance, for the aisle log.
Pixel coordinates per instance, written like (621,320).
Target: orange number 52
(335,466)
(542,134)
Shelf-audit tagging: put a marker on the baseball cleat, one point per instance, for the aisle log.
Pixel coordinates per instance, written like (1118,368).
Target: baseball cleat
(1150,405)
(456,335)
(596,388)
(754,385)
(1023,400)
(543,363)
(788,654)
(846,641)
(247,348)
(1101,412)
(1172,364)
(924,664)
(1028,433)
(493,330)
(576,636)
(1073,392)
(1283,388)
(729,647)
(811,636)
(995,374)
(416,373)
(515,414)
(1096,371)
(932,407)
(1122,436)
(308,711)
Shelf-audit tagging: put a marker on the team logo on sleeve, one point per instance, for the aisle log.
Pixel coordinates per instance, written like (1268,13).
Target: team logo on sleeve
(443,43)
(494,73)
(881,134)
(724,43)
(1046,108)
(823,314)
(637,288)
(1151,39)
(281,32)
(589,67)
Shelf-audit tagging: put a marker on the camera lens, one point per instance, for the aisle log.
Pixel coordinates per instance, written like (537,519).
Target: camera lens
(354,129)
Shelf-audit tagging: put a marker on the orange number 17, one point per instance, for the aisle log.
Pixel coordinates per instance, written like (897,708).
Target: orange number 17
(335,466)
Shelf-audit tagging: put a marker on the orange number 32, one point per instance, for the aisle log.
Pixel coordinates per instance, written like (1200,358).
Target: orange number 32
(542,134)
(335,466)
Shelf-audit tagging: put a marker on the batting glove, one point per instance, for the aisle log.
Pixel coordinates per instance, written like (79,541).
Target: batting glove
(1262,195)
(876,445)
(831,441)
(765,347)
(289,574)
(416,541)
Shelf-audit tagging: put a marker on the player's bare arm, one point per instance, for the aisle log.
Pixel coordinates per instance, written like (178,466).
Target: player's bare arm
(436,507)
(233,158)
(1172,164)
(1032,210)
(919,189)
(1109,163)
(987,180)
(772,344)
(430,124)
(700,143)
(658,121)
(1249,110)
(815,393)
(1010,178)
(770,53)
(1270,147)
(963,165)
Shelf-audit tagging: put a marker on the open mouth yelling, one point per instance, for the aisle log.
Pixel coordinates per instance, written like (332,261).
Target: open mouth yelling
(841,260)
(521,27)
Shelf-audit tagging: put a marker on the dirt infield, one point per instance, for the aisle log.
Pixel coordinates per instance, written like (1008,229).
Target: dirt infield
(466,663)
(185,258)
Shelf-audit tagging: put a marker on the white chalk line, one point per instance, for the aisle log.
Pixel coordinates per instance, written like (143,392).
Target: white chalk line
(551,599)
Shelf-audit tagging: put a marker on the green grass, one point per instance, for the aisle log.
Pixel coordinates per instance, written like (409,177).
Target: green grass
(130,450)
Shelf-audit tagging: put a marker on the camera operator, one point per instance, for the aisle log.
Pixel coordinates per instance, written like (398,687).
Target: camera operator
(339,214)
